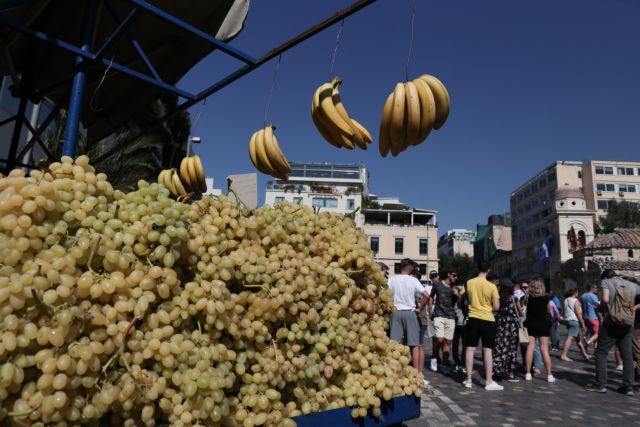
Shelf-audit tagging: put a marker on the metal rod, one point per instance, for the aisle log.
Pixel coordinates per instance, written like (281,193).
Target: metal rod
(244,70)
(224,47)
(122,27)
(9,120)
(40,142)
(17,131)
(12,4)
(40,130)
(90,56)
(79,80)
(20,164)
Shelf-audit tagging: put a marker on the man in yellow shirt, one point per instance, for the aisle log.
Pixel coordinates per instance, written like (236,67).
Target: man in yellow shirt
(483,300)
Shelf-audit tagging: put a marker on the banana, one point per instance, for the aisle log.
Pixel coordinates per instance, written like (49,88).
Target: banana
(397,128)
(253,153)
(185,175)
(168,182)
(200,177)
(441,96)
(413,115)
(383,137)
(366,136)
(427,108)
(193,176)
(328,108)
(274,153)
(161,176)
(357,138)
(333,134)
(261,152)
(175,179)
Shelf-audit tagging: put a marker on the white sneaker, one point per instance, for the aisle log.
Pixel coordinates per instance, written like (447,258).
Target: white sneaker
(425,383)
(528,377)
(434,365)
(493,386)
(551,379)
(619,368)
(467,383)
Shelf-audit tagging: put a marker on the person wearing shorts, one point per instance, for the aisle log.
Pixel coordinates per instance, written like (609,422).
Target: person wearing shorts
(404,322)
(483,299)
(441,310)
(589,301)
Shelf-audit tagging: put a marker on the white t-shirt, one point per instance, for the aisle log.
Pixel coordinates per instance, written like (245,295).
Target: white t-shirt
(570,308)
(404,288)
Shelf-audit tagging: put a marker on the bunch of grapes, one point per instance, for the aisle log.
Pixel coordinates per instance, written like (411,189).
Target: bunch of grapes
(136,309)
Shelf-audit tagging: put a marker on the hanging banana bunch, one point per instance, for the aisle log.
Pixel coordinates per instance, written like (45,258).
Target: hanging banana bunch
(170,179)
(266,154)
(332,120)
(411,111)
(192,174)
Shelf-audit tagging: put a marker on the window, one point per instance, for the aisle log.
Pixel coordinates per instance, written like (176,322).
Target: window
(396,268)
(579,174)
(399,245)
(279,199)
(375,244)
(351,204)
(603,204)
(606,187)
(423,269)
(626,171)
(324,202)
(582,239)
(608,170)
(627,188)
(297,200)
(423,246)
(599,170)
(630,253)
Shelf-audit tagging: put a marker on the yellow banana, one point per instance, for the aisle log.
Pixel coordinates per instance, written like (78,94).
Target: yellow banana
(200,177)
(175,178)
(383,137)
(168,182)
(185,176)
(427,108)
(413,115)
(253,153)
(366,136)
(261,152)
(441,96)
(274,153)
(327,129)
(337,102)
(329,110)
(397,128)
(193,176)
(161,176)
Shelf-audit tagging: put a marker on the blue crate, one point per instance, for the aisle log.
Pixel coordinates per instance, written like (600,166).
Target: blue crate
(394,411)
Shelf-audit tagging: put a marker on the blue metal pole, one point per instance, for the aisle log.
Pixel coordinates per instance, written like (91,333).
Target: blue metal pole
(79,80)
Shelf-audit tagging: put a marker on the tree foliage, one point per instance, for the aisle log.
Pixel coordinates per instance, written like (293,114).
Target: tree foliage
(620,215)
(463,264)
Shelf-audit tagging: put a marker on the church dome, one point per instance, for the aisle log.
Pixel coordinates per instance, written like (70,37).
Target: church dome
(569,192)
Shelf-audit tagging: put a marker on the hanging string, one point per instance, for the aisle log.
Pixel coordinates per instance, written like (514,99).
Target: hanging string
(95,92)
(413,30)
(273,86)
(195,124)
(335,49)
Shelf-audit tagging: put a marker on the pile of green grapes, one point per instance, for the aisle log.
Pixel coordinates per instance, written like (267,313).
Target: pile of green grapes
(136,309)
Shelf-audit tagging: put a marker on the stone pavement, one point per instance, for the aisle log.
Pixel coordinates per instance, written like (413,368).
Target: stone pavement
(525,403)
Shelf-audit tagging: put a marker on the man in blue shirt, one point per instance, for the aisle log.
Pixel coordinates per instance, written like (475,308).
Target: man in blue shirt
(589,301)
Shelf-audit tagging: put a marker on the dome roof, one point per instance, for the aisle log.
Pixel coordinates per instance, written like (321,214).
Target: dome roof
(569,191)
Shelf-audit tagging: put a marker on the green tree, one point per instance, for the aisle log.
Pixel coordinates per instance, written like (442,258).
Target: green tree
(620,215)
(463,264)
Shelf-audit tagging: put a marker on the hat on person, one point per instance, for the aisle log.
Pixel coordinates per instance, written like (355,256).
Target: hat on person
(506,283)
(433,273)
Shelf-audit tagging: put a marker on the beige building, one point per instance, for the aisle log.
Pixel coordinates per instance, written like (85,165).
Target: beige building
(532,210)
(329,187)
(605,181)
(396,231)
(457,242)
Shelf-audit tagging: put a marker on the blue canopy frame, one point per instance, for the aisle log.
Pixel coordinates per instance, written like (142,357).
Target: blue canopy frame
(85,58)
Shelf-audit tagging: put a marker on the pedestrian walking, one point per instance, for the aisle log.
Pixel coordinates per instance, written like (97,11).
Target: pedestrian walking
(589,302)
(483,299)
(404,322)
(618,300)
(522,297)
(555,313)
(458,349)
(505,351)
(575,324)
(422,316)
(443,299)
(538,325)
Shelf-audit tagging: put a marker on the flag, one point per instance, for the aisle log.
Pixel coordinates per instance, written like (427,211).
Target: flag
(547,246)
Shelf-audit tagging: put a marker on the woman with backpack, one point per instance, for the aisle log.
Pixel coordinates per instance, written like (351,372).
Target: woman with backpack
(575,324)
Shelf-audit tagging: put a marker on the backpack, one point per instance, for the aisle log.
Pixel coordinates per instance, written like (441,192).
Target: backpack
(620,309)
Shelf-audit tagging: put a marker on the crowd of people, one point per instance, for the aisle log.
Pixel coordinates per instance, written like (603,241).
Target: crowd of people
(502,316)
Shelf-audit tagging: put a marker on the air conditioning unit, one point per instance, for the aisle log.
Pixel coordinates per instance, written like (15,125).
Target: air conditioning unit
(599,193)
(621,193)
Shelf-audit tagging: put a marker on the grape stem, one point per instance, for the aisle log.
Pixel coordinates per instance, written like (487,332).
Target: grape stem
(239,201)
(48,307)
(23,413)
(94,250)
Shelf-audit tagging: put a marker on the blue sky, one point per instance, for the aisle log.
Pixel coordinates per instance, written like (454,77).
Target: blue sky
(530,83)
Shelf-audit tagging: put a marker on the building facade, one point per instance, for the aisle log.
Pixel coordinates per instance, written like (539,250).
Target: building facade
(329,187)
(606,181)
(493,244)
(532,209)
(397,231)
(457,242)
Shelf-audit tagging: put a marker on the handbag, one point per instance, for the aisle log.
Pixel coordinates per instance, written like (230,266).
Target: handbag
(523,334)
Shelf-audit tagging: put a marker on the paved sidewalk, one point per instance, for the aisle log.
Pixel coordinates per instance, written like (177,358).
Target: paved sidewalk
(525,403)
